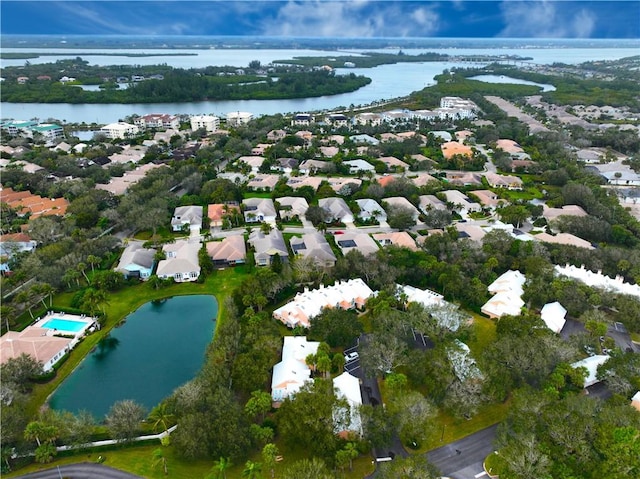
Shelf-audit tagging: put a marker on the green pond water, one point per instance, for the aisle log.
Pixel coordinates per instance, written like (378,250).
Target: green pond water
(158,348)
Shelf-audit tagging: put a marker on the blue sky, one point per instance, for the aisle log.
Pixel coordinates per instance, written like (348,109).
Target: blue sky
(327,18)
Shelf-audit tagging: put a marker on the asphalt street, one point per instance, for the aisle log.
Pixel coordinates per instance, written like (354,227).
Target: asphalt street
(463,459)
(84,470)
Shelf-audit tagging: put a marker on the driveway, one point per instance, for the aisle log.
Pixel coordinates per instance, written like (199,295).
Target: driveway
(84,470)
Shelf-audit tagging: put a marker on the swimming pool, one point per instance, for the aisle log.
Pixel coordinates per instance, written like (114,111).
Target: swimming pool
(65,325)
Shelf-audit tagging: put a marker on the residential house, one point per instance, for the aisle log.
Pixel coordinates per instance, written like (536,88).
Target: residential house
(359,166)
(314,246)
(137,261)
(228,252)
(563,238)
(292,372)
(431,202)
(591,365)
(425,297)
(442,135)
(354,240)
(286,165)
(460,201)
(503,181)
(296,182)
(551,214)
(463,178)
(217,211)
(119,130)
(400,202)
(553,315)
(292,206)
(118,185)
(266,246)
(347,419)
(311,167)
(257,210)
(401,239)
(254,162)
(454,148)
(507,299)
(487,198)
(39,343)
(263,182)
(470,231)
(598,280)
(187,215)
(329,151)
(276,135)
(14,243)
(181,261)
(393,163)
(422,179)
(337,210)
(307,305)
(344,186)
(34,205)
(371,209)
(368,139)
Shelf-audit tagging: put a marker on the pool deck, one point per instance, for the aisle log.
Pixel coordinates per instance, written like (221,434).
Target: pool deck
(87,320)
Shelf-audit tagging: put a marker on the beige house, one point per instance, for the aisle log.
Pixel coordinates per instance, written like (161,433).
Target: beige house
(39,343)
(228,252)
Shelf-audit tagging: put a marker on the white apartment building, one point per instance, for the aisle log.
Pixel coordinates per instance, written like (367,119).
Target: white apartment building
(237,118)
(208,122)
(120,130)
(158,120)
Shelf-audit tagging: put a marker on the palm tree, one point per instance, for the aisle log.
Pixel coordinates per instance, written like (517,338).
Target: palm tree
(323,363)
(71,275)
(159,458)
(252,470)
(94,300)
(45,289)
(220,467)
(352,451)
(160,416)
(82,267)
(93,260)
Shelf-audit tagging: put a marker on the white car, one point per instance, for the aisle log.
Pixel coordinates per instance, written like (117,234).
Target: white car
(351,356)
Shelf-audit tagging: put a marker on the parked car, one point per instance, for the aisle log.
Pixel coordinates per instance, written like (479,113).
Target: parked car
(351,356)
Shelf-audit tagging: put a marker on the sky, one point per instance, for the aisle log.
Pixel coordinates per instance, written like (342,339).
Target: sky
(327,18)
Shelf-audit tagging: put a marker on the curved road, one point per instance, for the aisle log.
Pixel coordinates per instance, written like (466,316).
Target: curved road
(83,470)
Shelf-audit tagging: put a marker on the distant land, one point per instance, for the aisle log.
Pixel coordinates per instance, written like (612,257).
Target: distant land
(254,42)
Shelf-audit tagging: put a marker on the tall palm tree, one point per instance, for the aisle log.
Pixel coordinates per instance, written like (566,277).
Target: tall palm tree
(93,260)
(220,467)
(160,416)
(82,268)
(252,470)
(94,300)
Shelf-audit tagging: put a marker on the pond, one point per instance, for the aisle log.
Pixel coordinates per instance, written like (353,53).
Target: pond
(506,79)
(159,347)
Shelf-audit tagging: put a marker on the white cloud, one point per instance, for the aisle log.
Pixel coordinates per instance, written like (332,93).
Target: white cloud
(546,19)
(316,18)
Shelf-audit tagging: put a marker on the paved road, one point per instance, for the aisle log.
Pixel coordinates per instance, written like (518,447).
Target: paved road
(466,464)
(85,470)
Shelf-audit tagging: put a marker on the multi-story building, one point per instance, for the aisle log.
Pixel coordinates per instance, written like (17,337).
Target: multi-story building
(207,122)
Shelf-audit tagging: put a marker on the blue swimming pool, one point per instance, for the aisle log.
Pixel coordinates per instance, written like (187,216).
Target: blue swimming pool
(64,325)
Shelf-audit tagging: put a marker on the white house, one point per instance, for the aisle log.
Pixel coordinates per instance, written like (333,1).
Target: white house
(599,280)
(371,209)
(553,315)
(347,419)
(181,261)
(292,206)
(591,364)
(187,215)
(257,210)
(507,299)
(254,162)
(337,209)
(136,261)
(358,241)
(119,130)
(290,374)
(359,166)
(238,118)
(307,305)
(39,343)
(207,122)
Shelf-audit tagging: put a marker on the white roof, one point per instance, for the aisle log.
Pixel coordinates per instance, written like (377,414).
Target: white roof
(292,372)
(307,305)
(503,303)
(553,316)
(512,281)
(598,280)
(425,297)
(348,387)
(591,363)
